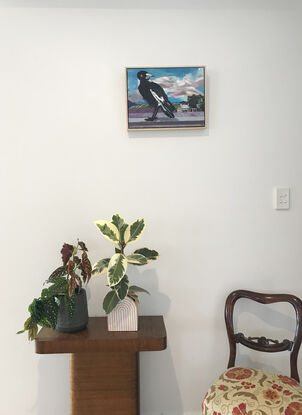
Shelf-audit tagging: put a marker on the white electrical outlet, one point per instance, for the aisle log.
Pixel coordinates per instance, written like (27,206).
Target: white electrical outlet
(281,198)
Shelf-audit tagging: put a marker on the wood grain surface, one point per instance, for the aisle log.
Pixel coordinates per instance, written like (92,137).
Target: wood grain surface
(104,365)
(151,336)
(104,384)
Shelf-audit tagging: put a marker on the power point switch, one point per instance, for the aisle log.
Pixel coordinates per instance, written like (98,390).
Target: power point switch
(281,198)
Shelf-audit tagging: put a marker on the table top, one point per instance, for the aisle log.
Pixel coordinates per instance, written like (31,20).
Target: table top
(151,336)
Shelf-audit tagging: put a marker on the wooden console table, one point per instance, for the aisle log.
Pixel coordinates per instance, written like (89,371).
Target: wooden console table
(104,365)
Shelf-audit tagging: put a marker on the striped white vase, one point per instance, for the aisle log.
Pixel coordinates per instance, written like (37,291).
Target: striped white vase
(124,316)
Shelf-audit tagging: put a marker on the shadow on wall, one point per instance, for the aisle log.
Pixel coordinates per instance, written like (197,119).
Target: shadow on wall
(53,387)
(157,303)
(275,321)
(268,314)
(248,361)
(156,396)
(159,366)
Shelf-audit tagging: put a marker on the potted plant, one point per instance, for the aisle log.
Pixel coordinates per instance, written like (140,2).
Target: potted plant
(62,305)
(120,303)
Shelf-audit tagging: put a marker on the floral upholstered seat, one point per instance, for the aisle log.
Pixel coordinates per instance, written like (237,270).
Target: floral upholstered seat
(243,391)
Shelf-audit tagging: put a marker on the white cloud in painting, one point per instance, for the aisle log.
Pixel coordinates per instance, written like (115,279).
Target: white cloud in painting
(180,87)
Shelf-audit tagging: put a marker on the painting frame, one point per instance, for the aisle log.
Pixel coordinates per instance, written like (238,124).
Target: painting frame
(160,126)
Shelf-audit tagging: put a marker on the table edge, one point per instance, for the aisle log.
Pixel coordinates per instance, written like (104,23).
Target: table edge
(53,346)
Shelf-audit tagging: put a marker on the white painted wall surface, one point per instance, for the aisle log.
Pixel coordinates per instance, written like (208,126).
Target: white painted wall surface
(67,160)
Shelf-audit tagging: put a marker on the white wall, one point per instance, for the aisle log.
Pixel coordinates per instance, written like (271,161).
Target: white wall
(67,160)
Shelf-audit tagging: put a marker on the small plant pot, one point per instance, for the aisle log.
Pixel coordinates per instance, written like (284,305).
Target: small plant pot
(124,316)
(79,319)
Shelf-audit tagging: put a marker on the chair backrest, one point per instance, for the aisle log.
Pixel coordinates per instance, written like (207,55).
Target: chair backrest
(262,343)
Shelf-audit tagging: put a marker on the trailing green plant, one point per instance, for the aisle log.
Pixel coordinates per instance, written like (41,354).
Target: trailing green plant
(62,285)
(121,234)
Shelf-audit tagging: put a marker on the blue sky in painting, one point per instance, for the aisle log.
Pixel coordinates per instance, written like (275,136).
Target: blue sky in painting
(191,74)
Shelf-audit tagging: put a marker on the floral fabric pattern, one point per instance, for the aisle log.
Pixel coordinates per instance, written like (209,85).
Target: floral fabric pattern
(239,373)
(243,391)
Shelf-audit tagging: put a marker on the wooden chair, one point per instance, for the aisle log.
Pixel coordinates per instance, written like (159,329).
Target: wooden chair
(247,391)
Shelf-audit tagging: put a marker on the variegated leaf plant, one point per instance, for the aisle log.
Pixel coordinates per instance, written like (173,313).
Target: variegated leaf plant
(121,234)
(62,285)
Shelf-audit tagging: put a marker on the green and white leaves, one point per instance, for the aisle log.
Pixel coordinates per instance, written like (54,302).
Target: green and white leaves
(134,231)
(110,301)
(137,259)
(100,267)
(118,221)
(122,288)
(121,234)
(121,225)
(118,293)
(108,229)
(142,256)
(150,254)
(116,269)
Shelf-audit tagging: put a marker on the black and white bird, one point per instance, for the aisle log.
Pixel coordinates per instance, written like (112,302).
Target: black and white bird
(154,94)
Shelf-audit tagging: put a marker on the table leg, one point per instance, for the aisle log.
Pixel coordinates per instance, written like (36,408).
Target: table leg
(104,383)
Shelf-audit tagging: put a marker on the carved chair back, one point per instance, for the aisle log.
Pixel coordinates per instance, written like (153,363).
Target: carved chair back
(262,343)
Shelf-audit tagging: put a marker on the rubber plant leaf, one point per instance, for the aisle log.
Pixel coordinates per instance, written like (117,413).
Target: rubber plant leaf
(108,229)
(137,259)
(110,301)
(118,221)
(121,225)
(150,254)
(100,267)
(134,297)
(136,289)
(134,231)
(122,287)
(116,269)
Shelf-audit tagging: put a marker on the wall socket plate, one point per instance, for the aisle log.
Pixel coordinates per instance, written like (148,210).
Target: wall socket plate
(281,198)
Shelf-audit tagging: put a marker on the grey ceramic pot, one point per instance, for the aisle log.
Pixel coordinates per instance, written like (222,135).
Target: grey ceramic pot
(79,319)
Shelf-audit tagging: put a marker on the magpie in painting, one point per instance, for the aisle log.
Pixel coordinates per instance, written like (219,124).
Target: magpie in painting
(154,94)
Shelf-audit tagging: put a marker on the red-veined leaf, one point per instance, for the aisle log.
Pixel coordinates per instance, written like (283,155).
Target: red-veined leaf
(59,272)
(83,246)
(71,266)
(66,252)
(71,285)
(86,265)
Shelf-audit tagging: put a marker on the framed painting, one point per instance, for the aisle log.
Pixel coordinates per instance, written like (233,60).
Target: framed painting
(166,97)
